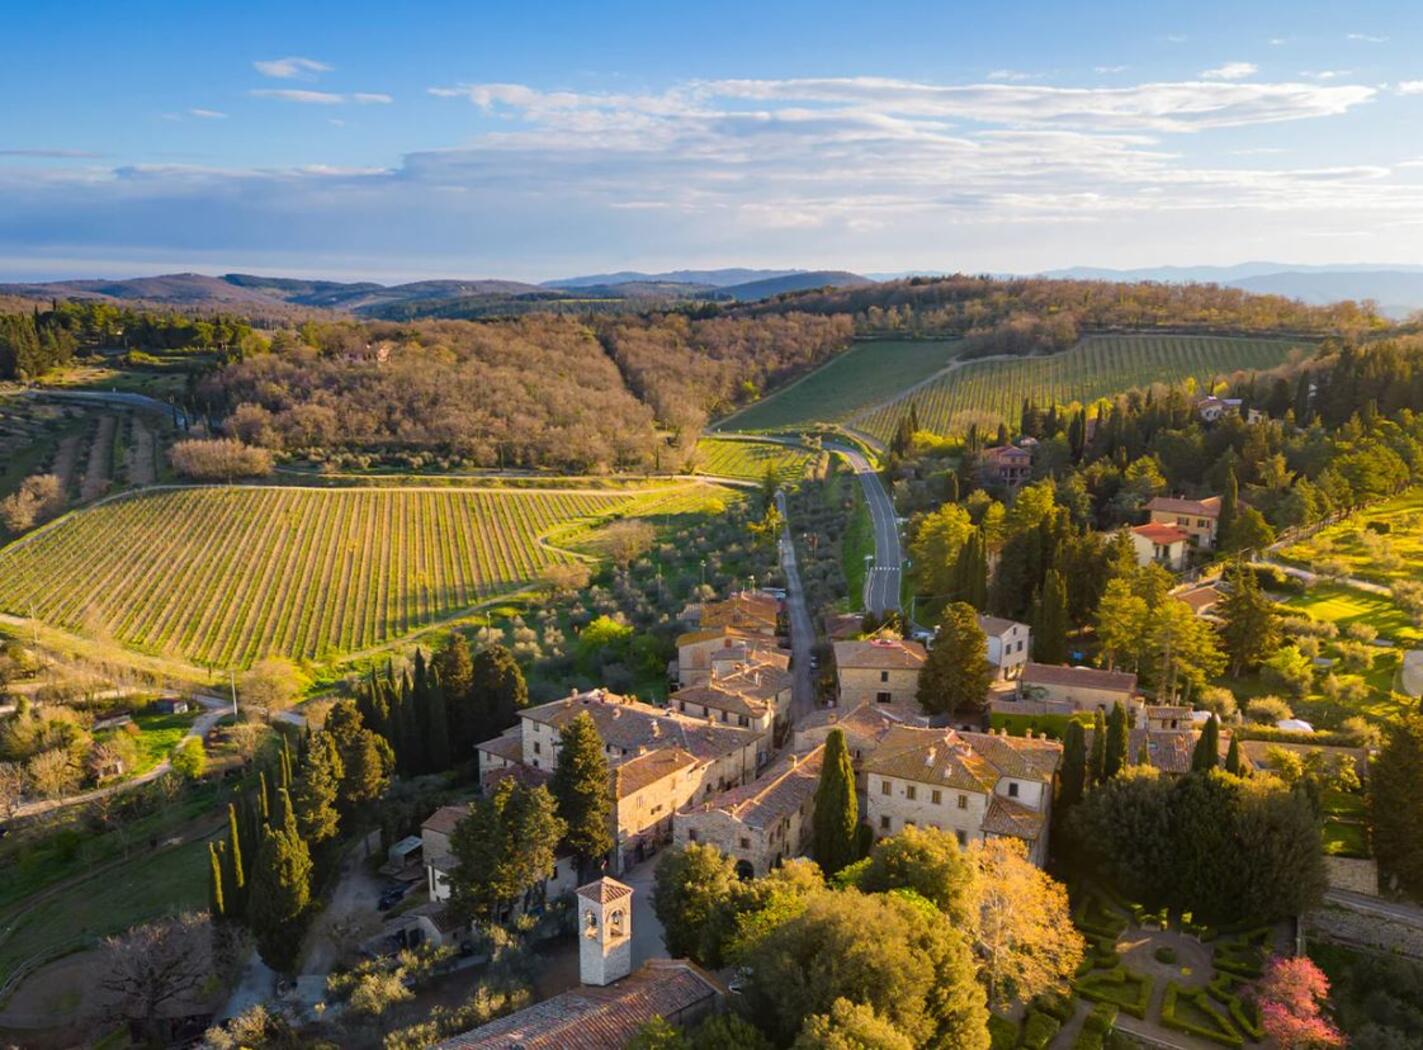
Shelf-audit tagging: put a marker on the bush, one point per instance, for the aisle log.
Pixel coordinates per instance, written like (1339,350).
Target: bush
(1002,1033)
(219,459)
(1245,1015)
(1243,954)
(1129,990)
(1267,710)
(1039,1029)
(1054,1004)
(1097,1027)
(1173,1016)
(1165,954)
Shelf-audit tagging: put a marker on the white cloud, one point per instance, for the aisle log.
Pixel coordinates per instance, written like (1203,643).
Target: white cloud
(1013,76)
(1366,38)
(1410,87)
(1110,69)
(1326,74)
(292,68)
(206,114)
(1231,71)
(1277,41)
(322,98)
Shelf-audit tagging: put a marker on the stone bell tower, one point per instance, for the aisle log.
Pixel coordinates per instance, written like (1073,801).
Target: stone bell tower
(604,931)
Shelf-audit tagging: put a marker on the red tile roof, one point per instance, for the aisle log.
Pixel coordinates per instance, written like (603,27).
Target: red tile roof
(1158,533)
(880,654)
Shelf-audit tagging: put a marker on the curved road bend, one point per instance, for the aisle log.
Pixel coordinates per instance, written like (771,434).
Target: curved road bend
(882,582)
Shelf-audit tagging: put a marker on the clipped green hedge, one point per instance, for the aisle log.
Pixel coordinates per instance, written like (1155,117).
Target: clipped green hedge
(1127,989)
(1245,1015)
(1225,1033)
(1165,954)
(1243,954)
(1002,1033)
(1097,1027)
(1094,915)
(1039,1029)
(1054,1004)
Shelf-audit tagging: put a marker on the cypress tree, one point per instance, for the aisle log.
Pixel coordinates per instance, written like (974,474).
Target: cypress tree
(281,892)
(1074,765)
(1115,757)
(581,786)
(837,817)
(462,713)
(237,872)
(970,573)
(316,795)
(1229,507)
(264,806)
(1143,755)
(1232,757)
(951,487)
(215,904)
(1050,631)
(499,682)
(1207,753)
(420,712)
(1097,759)
(437,751)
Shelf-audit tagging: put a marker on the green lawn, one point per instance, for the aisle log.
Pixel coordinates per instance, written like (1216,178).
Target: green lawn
(158,736)
(861,377)
(857,543)
(1346,804)
(1381,557)
(1345,605)
(1343,839)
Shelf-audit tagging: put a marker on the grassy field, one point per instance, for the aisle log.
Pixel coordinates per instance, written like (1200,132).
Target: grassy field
(863,376)
(1344,605)
(729,458)
(1367,553)
(1098,366)
(223,576)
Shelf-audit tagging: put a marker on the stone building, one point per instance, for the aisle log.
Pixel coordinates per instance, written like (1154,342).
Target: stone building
(1084,688)
(879,670)
(1198,518)
(975,785)
(719,649)
(760,824)
(1009,644)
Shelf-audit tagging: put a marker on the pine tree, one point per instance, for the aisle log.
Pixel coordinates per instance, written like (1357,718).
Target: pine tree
(1115,758)
(837,815)
(1097,759)
(281,892)
(316,796)
(1074,765)
(215,903)
(956,674)
(1250,626)
(1232,757)
(1397,803)
(1050,630)
(1229,507)
(581,786)
(1207,752)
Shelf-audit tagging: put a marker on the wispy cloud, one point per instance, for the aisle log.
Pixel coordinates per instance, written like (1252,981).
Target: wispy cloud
(206,114)
(1410,87)
(1278,41)
(1326,74)
(322,98)
(1013,76)
(1110,69)
(1366,38)
(50,154)
(292,68)
(1231,71)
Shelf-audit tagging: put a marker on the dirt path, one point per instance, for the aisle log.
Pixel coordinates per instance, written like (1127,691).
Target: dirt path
(139,464)
(66,457)
(96,473)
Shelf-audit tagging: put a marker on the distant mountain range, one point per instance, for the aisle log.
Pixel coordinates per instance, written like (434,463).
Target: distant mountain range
(1398,289)
(441,298)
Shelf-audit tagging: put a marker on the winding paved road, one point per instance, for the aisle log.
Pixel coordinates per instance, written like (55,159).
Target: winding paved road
(882,582)
(801,625)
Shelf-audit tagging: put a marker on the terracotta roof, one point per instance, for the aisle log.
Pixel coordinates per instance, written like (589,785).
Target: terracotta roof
(1167,711)
(1203,508)
(1023,758)
(880,654)
(932,756)
(1084,677)
(760,680)
(997,626)
(718,700)
(509,747)
(748,609)
(724,631)
(1199,598)
(1169,750)
(637,773)
(628,724)
(870,721)
(590,1018)
(527,776)
(1258,750)
(604,890)
(1007,817)
(1158,533)
(781,790)
(444,819)
(1001,452)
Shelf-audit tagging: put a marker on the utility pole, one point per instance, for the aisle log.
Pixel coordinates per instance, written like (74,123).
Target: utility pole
(232,684)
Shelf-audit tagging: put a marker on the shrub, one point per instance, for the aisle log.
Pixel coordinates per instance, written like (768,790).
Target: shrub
(1176,1011)
(1129,990)
(1039,1029)
(219,459)
(1267,710)
(1165,954)
(1243,954)
(1245,1015)
(1054,1004)
(1002,1033)
(1097,1027)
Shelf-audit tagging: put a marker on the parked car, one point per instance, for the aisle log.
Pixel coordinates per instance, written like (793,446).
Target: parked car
(391,896)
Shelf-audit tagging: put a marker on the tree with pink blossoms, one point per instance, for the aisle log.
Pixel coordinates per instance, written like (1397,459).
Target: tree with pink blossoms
(1291,996)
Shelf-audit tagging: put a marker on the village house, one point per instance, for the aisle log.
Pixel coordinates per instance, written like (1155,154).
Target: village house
(1007,465)
(864,727)
(1009,643)
(1169,751)
(975,785)
(1084,688)
(748,696)
(439,860)
(613,1002)
(1163,544)
(1212,409)
(1164,717)
(701,652)
(660,760)
(1198,518)
(879,670)
(1201,598)
(753,611)
(760,824)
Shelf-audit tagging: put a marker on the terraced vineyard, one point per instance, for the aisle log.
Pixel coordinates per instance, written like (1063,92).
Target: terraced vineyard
(726,458)
(1098,366)
(225,575)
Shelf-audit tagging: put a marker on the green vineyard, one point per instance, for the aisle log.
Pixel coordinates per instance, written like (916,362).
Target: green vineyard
(223,576)
(1098,366)
(726,458)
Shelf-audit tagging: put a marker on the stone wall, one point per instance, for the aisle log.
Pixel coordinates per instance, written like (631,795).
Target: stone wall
(1357,875)
(1395,934)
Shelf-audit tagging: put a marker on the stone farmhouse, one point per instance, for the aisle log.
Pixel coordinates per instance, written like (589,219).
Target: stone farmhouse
(863,726)
(879,670)
(752,611)
(1007,465)
(762,823)
(1076,688)
(701,652)
(751,696)
(1198,518)
(661,760)
(1009,643)
(975,785)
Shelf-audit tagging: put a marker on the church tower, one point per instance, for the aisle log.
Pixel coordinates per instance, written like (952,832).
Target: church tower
(604,931)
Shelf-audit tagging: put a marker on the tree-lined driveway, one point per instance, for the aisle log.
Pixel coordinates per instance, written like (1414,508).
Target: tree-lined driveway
(882,582)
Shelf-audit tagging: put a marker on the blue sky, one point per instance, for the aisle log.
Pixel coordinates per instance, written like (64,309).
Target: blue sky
(531,141)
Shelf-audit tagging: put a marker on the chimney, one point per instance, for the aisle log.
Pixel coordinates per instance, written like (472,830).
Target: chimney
(795,761)
(929,757)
